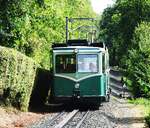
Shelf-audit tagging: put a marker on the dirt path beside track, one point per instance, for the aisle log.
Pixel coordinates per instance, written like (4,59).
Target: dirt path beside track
(126,115)
(129,115)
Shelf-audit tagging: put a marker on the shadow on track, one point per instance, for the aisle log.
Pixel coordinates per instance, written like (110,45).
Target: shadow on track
(69,106)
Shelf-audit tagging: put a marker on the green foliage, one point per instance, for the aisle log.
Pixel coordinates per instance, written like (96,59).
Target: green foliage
(141,101)
(142,37)
(32,26)
(148,120)
(17,75)
(118,24)
(138,64)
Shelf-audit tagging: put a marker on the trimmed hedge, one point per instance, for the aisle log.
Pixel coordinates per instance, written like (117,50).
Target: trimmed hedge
(17,76)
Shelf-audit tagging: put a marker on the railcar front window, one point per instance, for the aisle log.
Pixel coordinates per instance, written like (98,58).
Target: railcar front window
(87,63)
(65,63)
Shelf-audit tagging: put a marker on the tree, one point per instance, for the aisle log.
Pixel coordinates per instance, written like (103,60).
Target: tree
(138,68)
(118,24)
(32,26)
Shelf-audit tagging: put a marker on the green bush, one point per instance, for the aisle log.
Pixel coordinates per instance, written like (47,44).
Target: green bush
(148,120)
(17,75)
(138,64)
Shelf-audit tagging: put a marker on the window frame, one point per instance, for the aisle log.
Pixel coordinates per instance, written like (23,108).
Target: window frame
(97,62)
(56,64)
(104,63)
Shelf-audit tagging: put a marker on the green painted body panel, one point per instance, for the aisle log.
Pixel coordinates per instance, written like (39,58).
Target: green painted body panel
(88,86)
(103,81)
(91,86)
(63,87)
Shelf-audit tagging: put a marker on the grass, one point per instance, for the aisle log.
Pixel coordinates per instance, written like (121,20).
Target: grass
(145,103)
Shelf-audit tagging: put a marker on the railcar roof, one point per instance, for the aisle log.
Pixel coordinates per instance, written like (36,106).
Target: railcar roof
(80,48)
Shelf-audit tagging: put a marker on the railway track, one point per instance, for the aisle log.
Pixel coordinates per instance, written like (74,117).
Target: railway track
(73,119)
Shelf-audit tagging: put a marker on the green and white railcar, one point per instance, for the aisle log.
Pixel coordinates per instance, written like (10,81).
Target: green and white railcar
(80,72)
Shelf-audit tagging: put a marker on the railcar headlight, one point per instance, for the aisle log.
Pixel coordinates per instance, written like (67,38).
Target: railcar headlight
(77,85)
(75,51)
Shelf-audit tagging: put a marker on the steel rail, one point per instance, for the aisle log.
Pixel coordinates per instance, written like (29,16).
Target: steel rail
(81,121)
(66,119)
(56,117)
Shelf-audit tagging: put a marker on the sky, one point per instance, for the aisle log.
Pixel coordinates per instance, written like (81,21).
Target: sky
(100,5)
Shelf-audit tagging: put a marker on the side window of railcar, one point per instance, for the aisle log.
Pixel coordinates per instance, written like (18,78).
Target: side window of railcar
(103,63)
(87,63)
(107,61)
(65,63)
